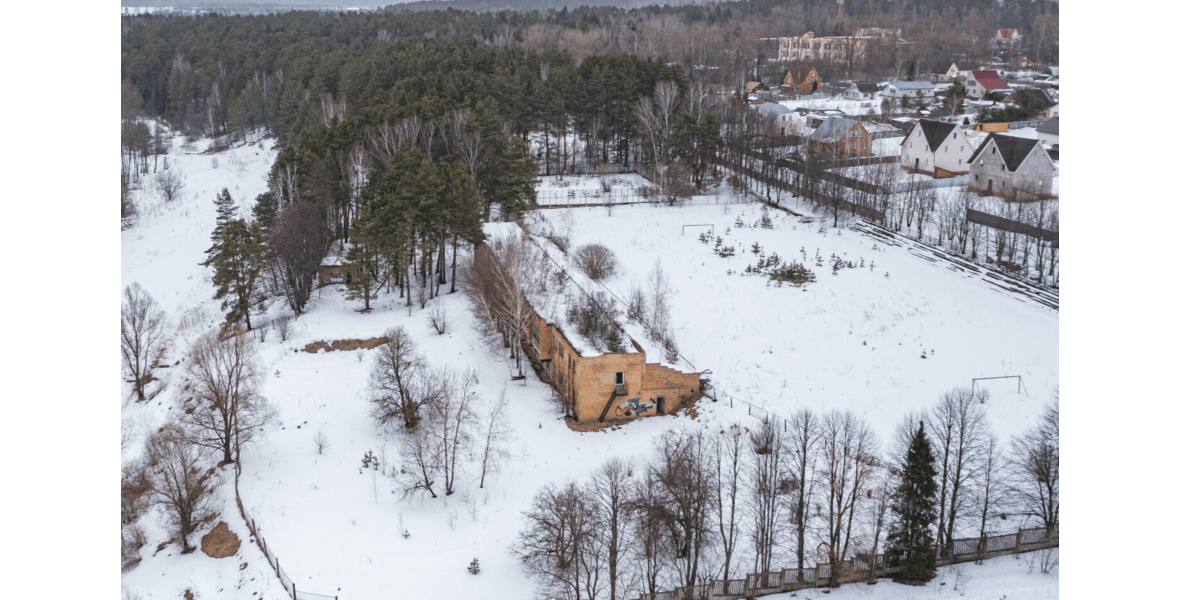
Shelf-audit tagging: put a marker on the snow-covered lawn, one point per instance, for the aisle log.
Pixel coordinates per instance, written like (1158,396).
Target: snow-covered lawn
(852,340)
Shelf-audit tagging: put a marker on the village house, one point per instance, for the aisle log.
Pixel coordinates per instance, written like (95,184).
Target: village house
(1051,105)
(937,148)
(1048,132)
(602,387)
(840,137)
(862,90)
(802,81)
(332,269)
(784,118)
(981,83)
(943,71)
(1011,167)
(910,89)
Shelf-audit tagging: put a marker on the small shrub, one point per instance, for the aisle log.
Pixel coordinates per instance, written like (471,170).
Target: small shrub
(133,539)
(598,261)
(671,352)
(636,304)
(437,317)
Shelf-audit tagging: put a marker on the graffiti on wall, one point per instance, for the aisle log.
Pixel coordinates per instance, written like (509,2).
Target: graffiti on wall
(633,408)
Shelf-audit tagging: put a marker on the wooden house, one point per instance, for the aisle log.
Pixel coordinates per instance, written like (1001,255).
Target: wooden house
(840,137)
(802,81)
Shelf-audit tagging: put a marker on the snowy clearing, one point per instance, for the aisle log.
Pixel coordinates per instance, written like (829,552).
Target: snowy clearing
(852,340)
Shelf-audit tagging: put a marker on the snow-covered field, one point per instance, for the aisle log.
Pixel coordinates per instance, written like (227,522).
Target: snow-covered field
(852,340)
(848,341)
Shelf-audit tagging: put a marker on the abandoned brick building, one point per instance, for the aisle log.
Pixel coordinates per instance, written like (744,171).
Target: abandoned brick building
(609,386)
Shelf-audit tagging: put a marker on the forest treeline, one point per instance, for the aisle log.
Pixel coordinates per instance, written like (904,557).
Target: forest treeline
(402,129)
(220,74)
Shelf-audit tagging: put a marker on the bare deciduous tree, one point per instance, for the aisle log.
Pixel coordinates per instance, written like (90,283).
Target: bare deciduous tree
(169,184)
(958,432)
(182,483)
(141,330)
(651,548)
(450,420)
(437,317)
(803,449)
(557,542)
(299,240)
(846,463)
(770,483)
(611,488)
(399,385)
(501,282)
(1036,462)
(225,410)
(681,466)
(988,497)
(728,459)
(497,434)
(420,462)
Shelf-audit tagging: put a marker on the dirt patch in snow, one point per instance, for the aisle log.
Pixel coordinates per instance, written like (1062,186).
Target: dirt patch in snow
(345,345)
(221,542)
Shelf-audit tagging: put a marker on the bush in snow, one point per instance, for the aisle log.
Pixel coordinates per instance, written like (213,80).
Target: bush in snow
(598,261)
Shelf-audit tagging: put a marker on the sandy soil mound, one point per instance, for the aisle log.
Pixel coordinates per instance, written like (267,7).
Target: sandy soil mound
(221,542)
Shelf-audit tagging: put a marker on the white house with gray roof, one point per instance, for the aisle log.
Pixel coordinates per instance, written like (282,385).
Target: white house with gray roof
(933,145)
(900,89)
(1005,165)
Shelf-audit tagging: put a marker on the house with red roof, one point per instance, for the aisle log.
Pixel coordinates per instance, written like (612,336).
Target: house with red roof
(980,83)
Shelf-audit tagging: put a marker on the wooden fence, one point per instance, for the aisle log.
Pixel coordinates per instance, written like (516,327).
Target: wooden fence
(1003,224)
(271,558)
(861,568)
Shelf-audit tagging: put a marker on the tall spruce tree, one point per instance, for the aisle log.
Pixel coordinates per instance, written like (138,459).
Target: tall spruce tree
(910,543)
(236,266)
(364,259)
(236,258)
(226,211)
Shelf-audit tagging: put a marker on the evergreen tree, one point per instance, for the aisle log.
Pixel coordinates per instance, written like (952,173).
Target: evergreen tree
(910,543)
(226,211)
(363,260)
(236,264)
(516,179)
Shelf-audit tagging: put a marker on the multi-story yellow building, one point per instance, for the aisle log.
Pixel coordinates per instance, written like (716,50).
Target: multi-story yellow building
(809,47)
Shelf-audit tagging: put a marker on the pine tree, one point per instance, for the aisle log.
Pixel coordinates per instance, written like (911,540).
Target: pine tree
(226,211)
(237,262)
(363,260)
(910,543)
(516,179)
